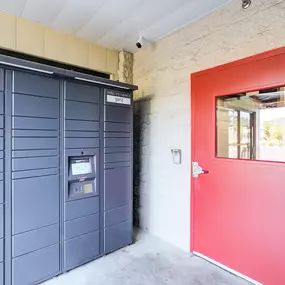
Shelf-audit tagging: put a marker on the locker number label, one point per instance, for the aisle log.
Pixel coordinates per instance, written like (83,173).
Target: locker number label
(118,100)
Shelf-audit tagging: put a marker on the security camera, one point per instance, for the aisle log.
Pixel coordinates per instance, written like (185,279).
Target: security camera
(245,3)
(140,42)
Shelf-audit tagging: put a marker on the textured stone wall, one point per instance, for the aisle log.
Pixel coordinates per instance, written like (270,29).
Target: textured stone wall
(162,71)
(125,71)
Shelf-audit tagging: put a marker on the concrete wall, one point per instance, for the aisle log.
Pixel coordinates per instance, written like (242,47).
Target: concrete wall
(162,72)
(21,35)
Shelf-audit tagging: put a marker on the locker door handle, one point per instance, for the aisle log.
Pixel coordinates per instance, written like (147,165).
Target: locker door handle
(198,170)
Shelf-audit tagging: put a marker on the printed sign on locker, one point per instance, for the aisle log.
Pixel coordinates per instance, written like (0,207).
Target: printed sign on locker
(118,97)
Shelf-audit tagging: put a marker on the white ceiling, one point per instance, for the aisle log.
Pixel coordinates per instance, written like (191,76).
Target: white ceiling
(114,24)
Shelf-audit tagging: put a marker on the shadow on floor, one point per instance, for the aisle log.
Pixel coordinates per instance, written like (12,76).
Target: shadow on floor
(149,261)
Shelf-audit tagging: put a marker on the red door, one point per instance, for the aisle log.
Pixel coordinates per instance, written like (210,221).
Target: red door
(238,135)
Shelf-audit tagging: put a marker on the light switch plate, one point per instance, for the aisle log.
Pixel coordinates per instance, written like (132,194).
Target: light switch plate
(176,155)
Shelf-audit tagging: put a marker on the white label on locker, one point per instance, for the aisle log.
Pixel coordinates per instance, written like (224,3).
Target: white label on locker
(118,100)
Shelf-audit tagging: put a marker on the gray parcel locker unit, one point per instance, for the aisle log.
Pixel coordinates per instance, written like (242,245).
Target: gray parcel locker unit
(65,170)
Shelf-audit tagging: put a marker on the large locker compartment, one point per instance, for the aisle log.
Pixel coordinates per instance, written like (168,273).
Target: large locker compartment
(65,170)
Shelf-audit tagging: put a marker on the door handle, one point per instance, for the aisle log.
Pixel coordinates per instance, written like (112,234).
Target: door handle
(198,170)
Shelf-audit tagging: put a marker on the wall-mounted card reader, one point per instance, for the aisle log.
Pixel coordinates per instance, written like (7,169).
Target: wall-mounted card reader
(81,177)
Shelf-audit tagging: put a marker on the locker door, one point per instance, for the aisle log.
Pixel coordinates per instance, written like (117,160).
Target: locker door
(35,178)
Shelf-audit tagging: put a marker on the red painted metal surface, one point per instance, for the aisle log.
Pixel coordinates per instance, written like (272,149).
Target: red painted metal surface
(238,209)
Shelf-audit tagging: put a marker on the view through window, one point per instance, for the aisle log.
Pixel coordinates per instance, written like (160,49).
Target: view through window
(252,125)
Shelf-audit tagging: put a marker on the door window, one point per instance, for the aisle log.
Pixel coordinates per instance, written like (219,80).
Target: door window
(251,125)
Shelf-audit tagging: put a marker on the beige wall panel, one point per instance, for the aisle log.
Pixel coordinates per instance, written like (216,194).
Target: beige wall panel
(112,61)
(77,51)
(97,57)
(30,37)
(55,45)
(7,31)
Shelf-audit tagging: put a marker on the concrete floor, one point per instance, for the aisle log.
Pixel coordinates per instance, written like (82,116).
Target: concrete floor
(149,261)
